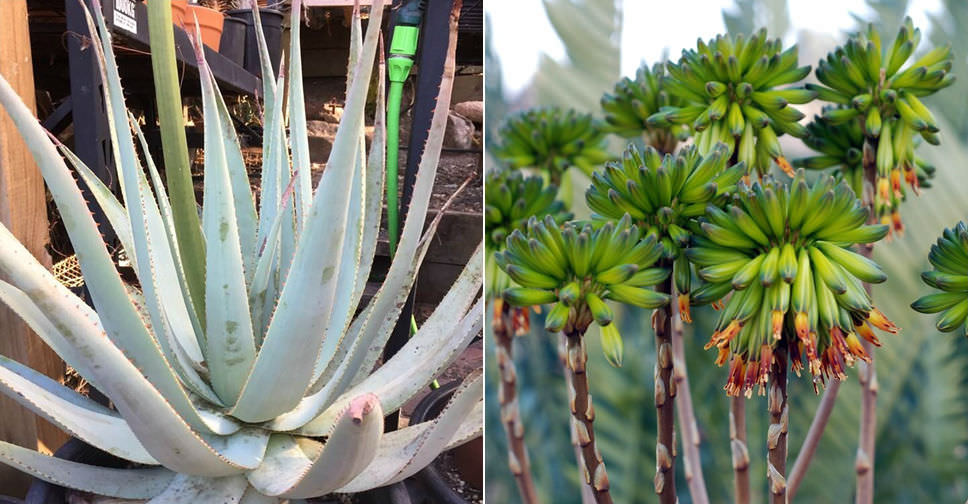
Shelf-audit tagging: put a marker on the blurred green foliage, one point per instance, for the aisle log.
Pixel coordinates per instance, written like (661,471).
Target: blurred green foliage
(922,439)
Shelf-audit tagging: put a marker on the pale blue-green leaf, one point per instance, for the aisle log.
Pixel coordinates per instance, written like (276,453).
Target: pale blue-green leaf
(395,463)
(241,190)
(375,175)
(160,428)
(441,339)
(306,299)
(184,489)
(119,317)
(120,483)
(349,449)
(354,346)
(287,457)
(109,204)
(252,496)
(71,412)
(168,218)
(263,282)
(269,85)
(298,136)
(229,336)
(303,468)
(245,448)
(272,161)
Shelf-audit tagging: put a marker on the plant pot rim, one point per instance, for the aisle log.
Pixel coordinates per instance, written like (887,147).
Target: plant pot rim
(432,478)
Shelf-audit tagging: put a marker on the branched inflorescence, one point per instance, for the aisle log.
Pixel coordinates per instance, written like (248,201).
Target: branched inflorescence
(950,275)
(841,147)
(663,195)
(510,200)
(729,91)
(876,89)
(784,250)
(628,107)
(553,140)
(577,267)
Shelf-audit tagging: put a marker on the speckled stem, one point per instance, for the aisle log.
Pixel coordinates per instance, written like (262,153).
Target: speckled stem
(741,452)
(867,374)
(518,460)
(665,392)
(583,412)
(688,427)
(776,440)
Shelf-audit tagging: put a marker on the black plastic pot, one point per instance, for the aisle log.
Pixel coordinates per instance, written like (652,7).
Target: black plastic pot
(468,457)
(42,492)
(232,45)
(271,29)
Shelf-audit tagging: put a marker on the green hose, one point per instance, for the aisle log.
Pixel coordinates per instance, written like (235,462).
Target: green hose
(403,46)
(393,151)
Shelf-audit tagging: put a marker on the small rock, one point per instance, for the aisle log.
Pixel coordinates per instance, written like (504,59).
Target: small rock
(460,132)
(473,110)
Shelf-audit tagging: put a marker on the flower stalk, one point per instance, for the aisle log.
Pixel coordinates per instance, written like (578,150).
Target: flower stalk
(779,424)
(583,413)
(518,460)
(665,392)
(687,416)
(741,453)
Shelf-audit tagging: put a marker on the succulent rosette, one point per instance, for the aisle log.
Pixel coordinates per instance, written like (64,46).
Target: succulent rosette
(663,194)
(949,257)
(628,107)
(552,140)
(785,253)
(576,268)
(730,89)
(510,200)
(880,92)
(840,147)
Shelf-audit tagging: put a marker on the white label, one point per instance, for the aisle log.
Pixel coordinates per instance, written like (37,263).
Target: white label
(124,16)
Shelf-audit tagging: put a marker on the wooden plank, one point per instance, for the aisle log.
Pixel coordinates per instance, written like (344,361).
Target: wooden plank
(23,209)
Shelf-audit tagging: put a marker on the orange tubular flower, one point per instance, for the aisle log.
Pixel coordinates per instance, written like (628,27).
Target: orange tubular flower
(736,374)
(853,344)
(896,183)
(880,321)
(684,314)
(867,333)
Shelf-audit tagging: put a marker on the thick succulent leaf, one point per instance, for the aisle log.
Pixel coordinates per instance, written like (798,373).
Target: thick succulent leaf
(431,350)
(109,204)
(229,337)
(168,218)
(301,468)
(167,84)
(395,463)
(119,316)
(280,375)
(81,339)
(388,302)
(355,345)
(375,176)
(253,496)
(298,136)
(261,299)
(77,415)
(349,449)
(120,483)
(287,457)
(184,488)
(170,321)
(245,448)
(368,224)
(242,196)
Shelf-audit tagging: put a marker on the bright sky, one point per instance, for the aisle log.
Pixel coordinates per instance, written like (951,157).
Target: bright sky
(521,31)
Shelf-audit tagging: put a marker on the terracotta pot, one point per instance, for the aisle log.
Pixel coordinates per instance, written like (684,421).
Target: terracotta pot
(468,457)
(178,8)
(209,22)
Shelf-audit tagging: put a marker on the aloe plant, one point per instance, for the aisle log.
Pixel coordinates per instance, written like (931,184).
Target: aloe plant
(271,393)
